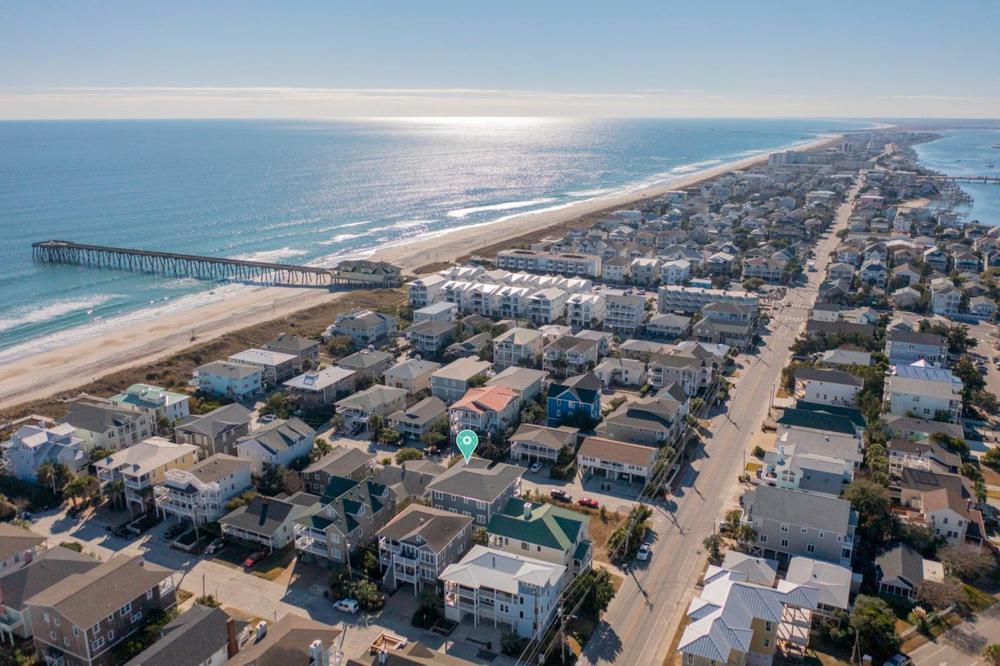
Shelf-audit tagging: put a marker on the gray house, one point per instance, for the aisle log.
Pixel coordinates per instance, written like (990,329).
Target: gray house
(216,431)
(477,489)
(798,522)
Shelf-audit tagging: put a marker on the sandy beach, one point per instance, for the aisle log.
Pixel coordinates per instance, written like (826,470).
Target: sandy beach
(61,369)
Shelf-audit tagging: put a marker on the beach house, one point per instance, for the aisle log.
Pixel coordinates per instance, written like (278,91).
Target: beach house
(103,425)
(237,381)
(34,444)
(416,546)
(278,443)
(216,431)
(142,466)
(165,404)
(199,494)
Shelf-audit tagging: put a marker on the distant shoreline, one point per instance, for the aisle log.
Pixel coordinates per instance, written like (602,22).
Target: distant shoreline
(38,375)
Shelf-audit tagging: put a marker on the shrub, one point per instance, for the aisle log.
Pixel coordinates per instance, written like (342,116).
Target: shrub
(408,453)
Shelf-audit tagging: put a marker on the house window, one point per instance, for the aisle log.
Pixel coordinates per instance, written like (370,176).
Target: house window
(805,530)
(111,634)
(784,527)
(784,543)
(763,538)
(76,630)
(149,593)
(811,548)
(126,609)
(767,626)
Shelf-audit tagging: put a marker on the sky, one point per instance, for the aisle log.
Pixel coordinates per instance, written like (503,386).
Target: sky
(326,59)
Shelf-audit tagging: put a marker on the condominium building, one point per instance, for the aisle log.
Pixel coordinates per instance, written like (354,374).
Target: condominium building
(535,261)
(688,300)
(624,312)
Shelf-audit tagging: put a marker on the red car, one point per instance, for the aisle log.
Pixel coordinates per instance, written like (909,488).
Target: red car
(588,502)
(254,558)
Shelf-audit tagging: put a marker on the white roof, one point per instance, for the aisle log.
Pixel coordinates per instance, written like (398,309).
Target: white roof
(319,380)
(722,617)
(831,580)
(262,357)
(486,567)
(145,456)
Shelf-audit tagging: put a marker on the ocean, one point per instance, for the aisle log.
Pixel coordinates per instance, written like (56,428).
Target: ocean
(301,192)
(972,152)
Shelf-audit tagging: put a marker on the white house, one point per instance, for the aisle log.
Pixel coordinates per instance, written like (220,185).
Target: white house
(504,589)
(32,445)
(827,387)
(616,460)
(229,380)
(275,366)
(924,391)
(278,443)
(412,375)
(199,494)
(624,312)
(166,404)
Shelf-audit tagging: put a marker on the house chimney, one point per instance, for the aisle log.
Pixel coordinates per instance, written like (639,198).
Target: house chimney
(261,631)
(317,655)
(232,644)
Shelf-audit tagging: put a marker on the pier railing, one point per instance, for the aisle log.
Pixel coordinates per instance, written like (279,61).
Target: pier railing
(359,274)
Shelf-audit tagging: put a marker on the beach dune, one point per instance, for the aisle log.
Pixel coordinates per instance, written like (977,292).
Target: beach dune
(42,374)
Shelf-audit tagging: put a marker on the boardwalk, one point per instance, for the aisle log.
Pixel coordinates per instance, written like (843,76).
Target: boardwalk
(347,274)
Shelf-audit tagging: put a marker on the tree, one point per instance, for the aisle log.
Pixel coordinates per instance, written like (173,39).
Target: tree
(52,475)
(321,447)
(271,480)
(875,626)
(875,520)
(437,434)
(992,654)
(278,406)
(967,562)
(600,593)
(744,535)
(408,453)
(115,492)
(389,436)
(939,596)
(81,487)
(375,424)
(207,600)
(992,458)
(713,544)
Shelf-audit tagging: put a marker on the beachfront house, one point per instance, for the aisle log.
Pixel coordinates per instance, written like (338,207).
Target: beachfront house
(103,425)
(165,404)
(275,367)
(223,379)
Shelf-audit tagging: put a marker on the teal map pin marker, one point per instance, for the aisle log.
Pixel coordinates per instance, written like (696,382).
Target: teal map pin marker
(467,442)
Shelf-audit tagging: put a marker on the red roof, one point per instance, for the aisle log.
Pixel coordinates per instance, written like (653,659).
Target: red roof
(486,399)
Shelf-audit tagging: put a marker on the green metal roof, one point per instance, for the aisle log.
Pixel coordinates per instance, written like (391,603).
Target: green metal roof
(545,525)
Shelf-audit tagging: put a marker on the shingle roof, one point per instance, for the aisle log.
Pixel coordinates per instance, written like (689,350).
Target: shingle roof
(829,376)
(286,643)
(191,638)
(280,435)
(615,451)
(85,598)
(97,417)
(551,438)
(14,539)
(799,507)
(46,569)
(435,527)
(263,515)
(477,479)
(216,421)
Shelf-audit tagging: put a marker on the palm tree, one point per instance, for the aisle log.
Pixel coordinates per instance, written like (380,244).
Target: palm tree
(115,492)
(992,654)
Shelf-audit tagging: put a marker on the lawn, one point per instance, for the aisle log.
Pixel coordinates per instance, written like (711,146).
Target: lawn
(275,564)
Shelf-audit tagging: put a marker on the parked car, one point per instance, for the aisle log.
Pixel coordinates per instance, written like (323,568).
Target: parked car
(536,467)
(174,531)
(267,418)
(561,495)
(588,502)
(347,605)
(899,659)
(643,553)
(254,558)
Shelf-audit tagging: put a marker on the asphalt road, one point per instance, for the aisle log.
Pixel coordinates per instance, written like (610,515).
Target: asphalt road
(644,616)
(963,645)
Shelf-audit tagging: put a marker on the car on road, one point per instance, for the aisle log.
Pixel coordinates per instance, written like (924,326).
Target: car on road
(347,605)
(644,552)
(588,502)
(561,495)
(536,467)
(254,558)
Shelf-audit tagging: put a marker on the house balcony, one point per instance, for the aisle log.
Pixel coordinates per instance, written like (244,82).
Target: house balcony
(311,545)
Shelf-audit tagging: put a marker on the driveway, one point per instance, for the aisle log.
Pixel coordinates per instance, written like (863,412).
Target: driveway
(260,598)
(963,645)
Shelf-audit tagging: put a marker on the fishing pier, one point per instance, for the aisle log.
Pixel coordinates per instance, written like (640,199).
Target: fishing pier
(356,274)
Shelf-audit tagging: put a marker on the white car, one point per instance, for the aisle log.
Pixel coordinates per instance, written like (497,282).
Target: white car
(347,605)
(644,552)
(536,467)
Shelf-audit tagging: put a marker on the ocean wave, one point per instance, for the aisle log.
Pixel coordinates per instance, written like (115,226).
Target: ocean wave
(407,224)
(592,193)
(460,213)
(269,255)
(340,238)
(25,315)
(694,166)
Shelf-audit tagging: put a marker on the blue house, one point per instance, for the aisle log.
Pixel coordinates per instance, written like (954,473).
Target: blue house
(576,398)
